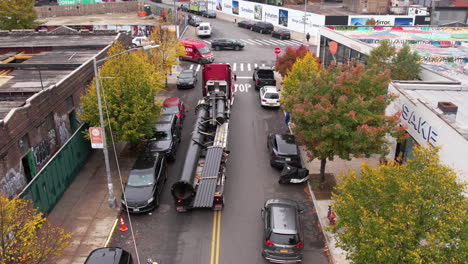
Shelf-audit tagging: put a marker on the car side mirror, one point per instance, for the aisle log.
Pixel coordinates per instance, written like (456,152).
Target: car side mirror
(300,211)
(235,77)
(263,212)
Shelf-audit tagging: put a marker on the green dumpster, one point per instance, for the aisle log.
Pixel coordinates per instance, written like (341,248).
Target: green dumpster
(147,9)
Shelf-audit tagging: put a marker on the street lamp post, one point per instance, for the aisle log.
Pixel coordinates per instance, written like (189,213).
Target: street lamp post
(110,185)
(304,20)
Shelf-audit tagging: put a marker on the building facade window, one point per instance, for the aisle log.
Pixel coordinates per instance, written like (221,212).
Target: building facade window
(343,55)
(23,144)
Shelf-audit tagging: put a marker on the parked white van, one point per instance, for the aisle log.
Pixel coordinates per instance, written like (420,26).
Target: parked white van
(204,30)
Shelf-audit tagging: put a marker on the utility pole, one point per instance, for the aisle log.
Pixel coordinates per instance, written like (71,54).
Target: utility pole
(175,14)
(110,185)
(304,19)
(433,6)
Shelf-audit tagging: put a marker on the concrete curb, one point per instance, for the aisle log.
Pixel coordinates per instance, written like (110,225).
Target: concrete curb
(111,232)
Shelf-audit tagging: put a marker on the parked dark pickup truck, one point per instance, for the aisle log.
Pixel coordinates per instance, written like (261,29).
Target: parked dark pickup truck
(262,76)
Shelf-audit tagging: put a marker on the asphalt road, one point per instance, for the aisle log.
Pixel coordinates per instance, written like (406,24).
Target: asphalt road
(182,238)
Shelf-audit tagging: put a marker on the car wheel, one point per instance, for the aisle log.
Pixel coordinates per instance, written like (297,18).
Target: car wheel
(261,31)
(217,48)
(236,48)
(251,28)
(281,181)
(280,37)
(171,156)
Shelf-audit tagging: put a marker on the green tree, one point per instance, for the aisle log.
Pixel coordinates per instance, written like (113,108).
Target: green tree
(26,236)
(404,64)
(129,84)
(17,14)
(397,214)
(170,49)
(285,62)
(339,111)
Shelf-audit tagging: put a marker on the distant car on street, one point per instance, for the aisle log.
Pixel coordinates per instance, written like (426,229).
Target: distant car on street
(195,21)
(283,238)
(281,34)
(224,43)
(187,79)
(209,14)
(109,255)
(139,41)
(269,96)
(145,183)
(263,75)
(262,27)
(245,24)
(174,106)
(283,150)
(166,136)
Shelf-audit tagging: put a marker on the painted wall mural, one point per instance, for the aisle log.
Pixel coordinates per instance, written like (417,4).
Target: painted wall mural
(444,50)
(63,125)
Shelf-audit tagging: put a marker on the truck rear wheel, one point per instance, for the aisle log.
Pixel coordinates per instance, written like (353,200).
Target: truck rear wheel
(217,48)
(261,31)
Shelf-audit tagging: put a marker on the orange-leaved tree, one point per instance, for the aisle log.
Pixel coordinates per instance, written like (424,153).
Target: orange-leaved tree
(26,236)
(339,110)
(285,62)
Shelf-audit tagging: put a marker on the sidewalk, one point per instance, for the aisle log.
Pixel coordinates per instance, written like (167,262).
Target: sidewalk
(83,210)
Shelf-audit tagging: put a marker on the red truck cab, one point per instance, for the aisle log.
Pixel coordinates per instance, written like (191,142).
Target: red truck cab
(218,73)
(197,51)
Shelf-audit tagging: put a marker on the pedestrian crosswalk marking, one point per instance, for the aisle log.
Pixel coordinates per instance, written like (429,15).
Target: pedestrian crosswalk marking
(266,42)
(235,66)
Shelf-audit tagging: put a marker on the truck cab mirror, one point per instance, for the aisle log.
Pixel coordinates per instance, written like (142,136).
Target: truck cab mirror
(300,211)
(235,77)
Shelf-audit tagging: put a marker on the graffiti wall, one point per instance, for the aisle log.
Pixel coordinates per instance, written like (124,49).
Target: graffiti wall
(13,181)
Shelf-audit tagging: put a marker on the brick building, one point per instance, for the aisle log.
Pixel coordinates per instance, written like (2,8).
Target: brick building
(42,76)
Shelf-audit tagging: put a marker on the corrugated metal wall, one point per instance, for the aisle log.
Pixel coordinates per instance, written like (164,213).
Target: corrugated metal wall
(46,189)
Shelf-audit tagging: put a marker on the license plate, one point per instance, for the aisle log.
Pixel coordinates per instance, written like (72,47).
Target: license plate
(288,159)
(136,209)
(284,251)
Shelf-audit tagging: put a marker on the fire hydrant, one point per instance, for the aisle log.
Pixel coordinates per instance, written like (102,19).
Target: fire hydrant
(331,218)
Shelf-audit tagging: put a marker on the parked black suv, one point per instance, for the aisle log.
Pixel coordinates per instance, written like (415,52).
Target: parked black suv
(145,183)
(111,255)
(282,234)
(224,43)
(283,150)
(166,136)
(263,76)
(262,27)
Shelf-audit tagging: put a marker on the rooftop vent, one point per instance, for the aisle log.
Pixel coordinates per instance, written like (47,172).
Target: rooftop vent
(449,110)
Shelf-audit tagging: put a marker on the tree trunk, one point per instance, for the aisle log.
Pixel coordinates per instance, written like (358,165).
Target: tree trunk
(322,172)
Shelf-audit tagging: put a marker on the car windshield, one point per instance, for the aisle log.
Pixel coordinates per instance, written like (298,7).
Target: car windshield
(284,239)
(140,178)
(161,135)
(204,50)
(186,74)
(271,96)
(170,109)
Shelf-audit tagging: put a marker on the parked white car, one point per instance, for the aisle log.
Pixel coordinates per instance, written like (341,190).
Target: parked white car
(269,96)
(139,41)
(204,30)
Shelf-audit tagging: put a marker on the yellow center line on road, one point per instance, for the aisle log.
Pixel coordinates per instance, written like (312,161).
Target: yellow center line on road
(214,257)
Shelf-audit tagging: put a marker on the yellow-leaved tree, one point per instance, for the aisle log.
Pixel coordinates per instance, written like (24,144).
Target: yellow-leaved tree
(169,50)
(26,236)
(302,73)
(129,84)
(403,213)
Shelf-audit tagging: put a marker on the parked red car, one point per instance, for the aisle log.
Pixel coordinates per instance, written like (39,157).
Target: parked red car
(174,106)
